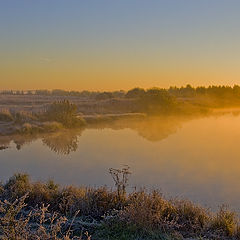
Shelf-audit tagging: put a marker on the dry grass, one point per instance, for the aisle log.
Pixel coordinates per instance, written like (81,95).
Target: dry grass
(25,117)
(16,223)
(5,115)
(140,215)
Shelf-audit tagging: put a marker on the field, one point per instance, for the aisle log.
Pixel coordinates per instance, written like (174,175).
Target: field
(85,105)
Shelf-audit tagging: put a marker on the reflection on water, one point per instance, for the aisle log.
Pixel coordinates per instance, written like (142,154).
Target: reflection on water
(18,140)
(65,142)
(61,143)
(197,159)
(151,128)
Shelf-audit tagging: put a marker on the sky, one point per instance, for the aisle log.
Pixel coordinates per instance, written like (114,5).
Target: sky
(118,44)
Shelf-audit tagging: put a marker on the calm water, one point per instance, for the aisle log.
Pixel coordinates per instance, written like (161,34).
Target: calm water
(197,159)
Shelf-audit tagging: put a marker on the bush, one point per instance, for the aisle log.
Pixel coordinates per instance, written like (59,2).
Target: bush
(191,217)
(17,186)
(225,222)
(65,113)
(148,211)
(41,193)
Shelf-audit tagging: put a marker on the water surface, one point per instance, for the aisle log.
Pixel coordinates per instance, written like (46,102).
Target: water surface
(197,158)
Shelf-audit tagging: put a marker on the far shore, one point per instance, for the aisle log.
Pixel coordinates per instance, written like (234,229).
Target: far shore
(38,127)
(10,128)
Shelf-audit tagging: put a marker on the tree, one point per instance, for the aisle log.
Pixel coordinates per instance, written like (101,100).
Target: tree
(65,113)
(158,100)
(135,93)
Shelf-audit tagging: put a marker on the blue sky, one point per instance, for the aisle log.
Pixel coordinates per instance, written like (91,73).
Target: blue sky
(106,44)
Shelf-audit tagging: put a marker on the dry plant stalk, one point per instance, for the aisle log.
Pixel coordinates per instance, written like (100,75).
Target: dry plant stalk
(120,178)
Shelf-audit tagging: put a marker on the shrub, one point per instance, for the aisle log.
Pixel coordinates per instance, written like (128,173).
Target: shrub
(225,222)
(148,211)
(191,217)
(71,200)
(94,203)
(41,193)
(17,186)
(65,113)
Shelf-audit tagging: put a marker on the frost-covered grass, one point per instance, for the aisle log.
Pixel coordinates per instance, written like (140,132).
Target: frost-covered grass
(36,210)
(58,115)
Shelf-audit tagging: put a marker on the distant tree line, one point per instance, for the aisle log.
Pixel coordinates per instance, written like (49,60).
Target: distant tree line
(187,92)
(154,97)
(186,99)
(181,99)
(59,92)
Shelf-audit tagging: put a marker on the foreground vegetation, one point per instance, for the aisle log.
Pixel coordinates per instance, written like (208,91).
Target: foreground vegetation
(36,210)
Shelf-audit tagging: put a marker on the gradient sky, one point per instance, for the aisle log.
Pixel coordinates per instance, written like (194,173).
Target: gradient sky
(118,44)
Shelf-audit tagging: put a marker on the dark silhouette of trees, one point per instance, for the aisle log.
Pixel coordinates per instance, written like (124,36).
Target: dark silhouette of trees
(135,93)
(155,100)
(219,92)
(184,91)
(104,96)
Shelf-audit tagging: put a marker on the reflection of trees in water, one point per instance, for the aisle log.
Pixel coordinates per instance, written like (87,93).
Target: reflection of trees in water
(157,129)
(62,142)
(17,139)
(20,141)
(150,128)
(4,143)
(3,147)
(65,142)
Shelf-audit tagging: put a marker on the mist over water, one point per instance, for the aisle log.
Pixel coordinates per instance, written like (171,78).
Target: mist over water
(192,158)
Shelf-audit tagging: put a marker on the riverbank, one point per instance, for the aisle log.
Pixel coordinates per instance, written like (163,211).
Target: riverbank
(34,126)
(48,211)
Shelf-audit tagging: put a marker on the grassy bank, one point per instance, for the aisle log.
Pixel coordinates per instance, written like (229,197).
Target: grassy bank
(36,210)
(57,116)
